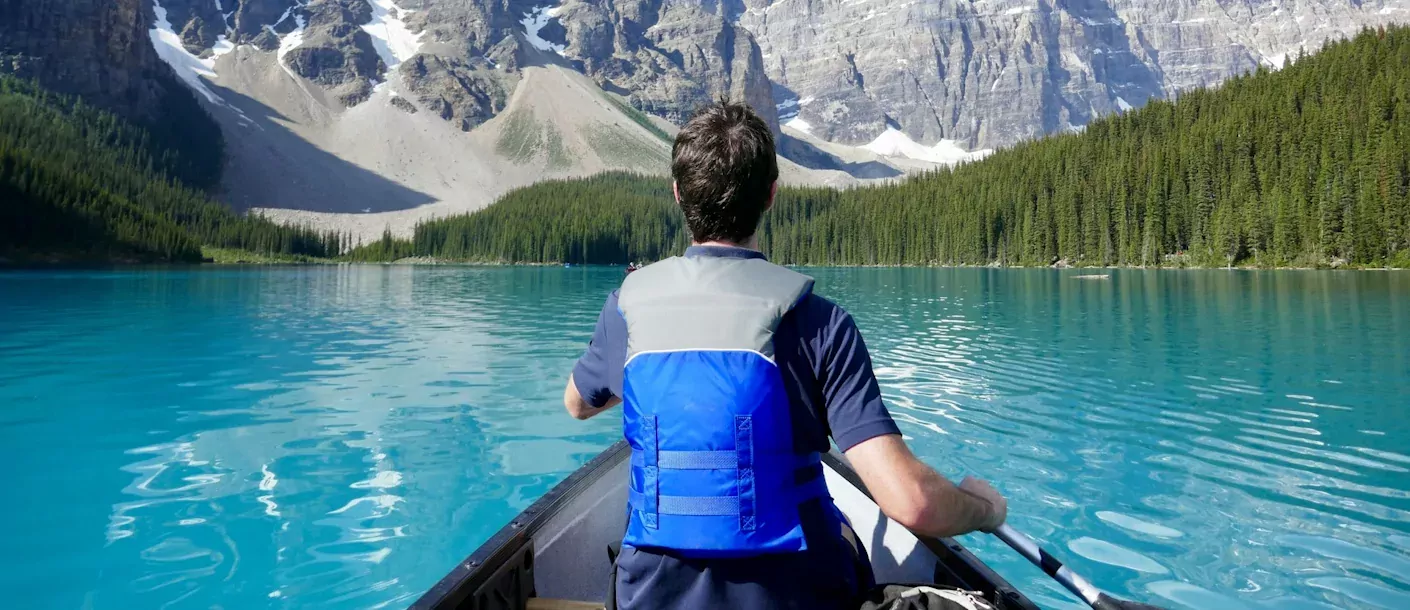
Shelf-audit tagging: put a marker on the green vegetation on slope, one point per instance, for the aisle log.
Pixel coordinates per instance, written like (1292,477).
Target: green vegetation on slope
(613,146)
(384,250)
(520,138)
(1296,167)
(78,183)
(46,211)
(605,218)
(638,117)
(230,256)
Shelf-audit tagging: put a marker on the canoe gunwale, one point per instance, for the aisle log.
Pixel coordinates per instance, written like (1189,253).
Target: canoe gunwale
(474,573)
(512,547)
(953,558)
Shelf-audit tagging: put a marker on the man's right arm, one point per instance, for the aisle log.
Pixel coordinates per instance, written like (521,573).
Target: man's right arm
(914,495)
(905,488)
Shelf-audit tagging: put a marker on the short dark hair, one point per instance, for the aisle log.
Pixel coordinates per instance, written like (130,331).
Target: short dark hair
(724,166)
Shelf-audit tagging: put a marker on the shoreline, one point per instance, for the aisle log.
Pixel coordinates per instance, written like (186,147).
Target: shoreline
(6,265)
(216,257)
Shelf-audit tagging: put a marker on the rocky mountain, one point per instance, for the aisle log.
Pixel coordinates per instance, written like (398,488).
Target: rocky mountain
(100,50)
(463,56)
(94,48)
(988,73)
(373,114)
(377,113)
(667,55)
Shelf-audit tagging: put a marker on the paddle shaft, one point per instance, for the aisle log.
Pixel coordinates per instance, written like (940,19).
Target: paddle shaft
(1029,549)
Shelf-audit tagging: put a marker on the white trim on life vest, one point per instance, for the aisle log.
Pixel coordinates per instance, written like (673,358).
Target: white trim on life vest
(694,349)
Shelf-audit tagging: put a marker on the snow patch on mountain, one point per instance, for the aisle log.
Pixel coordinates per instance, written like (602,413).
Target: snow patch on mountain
(220,8)
(787,109)
(799,124)
(288,12)
(394,41)
(291,41)
(534,22)
(187,66)
(895,143)
(1122,104)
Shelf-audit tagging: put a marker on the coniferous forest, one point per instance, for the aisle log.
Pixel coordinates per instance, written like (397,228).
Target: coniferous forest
(612,217)
(78,183)
(1307,165)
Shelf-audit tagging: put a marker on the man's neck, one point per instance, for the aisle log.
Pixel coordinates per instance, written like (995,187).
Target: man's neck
(749,244)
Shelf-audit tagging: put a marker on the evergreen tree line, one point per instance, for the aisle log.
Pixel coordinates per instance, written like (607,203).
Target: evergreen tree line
(79,182)
(1306,165)
(612,217)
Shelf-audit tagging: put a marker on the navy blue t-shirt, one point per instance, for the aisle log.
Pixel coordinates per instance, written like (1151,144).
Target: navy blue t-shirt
(828,377)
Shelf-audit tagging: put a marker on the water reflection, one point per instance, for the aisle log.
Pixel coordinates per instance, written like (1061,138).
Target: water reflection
(340,437)
(1168,429)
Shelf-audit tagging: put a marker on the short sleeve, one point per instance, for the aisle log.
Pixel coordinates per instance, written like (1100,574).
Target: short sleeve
(598,373)
(851,395)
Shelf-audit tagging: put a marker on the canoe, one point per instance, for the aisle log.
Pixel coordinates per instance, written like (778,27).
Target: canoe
(555,552)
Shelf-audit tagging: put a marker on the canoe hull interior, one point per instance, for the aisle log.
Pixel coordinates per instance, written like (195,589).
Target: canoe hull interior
(557,548)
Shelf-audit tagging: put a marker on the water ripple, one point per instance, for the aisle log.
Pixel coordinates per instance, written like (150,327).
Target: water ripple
(333,437)
(1179,434)
(339,437)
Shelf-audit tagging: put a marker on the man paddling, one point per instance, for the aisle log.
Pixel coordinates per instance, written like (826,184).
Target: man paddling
(733,375)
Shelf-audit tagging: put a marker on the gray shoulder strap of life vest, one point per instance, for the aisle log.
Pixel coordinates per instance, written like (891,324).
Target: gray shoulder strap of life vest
(708,303)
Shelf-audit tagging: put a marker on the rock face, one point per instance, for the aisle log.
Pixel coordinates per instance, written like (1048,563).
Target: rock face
(924,76)
(328,45)
(346,47)
(990,73)
(462,93)
(670,56)
(470,58)
(94,48)
(363,115)
(666,56)
(336,52)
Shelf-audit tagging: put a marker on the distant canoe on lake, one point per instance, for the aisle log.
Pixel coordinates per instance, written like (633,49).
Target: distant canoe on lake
(1102,276)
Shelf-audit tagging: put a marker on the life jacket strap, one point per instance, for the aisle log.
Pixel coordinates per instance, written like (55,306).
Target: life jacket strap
(711,460)
(651,504)
(713,506)
(693,506)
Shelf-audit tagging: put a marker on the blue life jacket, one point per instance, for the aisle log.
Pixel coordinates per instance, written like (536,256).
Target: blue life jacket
(714,471)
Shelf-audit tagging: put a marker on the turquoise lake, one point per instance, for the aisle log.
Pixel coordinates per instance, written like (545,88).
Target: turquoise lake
(340,437)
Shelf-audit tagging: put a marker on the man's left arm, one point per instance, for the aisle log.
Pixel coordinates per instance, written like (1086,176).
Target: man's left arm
(595,384)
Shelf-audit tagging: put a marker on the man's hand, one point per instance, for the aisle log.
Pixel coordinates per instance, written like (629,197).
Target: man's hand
(998,506)
(579,407)
(917,497)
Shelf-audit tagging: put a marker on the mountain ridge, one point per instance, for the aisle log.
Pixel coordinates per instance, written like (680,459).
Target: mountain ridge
(1308,166)
(368,114)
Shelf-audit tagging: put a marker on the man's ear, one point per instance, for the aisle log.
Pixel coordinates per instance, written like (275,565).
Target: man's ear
(773,193)
(676,190)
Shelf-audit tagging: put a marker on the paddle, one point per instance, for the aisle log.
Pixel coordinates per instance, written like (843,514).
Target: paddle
(1065,577)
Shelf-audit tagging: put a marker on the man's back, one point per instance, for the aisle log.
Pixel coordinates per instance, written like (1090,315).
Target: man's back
(826,373)
(732,376)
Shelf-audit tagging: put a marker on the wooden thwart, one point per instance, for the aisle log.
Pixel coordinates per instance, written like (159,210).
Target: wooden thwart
(540,603)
